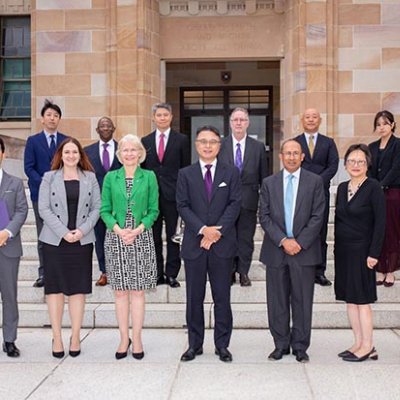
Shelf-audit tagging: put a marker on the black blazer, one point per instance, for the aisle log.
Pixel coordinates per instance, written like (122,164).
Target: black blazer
(93,152)
(254,168)
(176,156)
(196,211)
(386,167)
(325,160)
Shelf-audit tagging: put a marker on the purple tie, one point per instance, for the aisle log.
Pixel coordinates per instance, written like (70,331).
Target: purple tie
(208,181)
(238,157)
(106,157)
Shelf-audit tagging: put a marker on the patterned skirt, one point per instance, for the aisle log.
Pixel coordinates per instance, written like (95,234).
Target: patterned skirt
(131,267)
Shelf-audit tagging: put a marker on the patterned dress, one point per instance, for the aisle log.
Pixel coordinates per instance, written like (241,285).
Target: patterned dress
(134,266)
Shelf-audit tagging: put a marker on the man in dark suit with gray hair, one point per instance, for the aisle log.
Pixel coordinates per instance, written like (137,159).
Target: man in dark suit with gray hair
(13,212)
(291,213)
(249,156)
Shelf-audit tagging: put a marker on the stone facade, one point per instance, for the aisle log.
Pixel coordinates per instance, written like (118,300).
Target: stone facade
(109,57)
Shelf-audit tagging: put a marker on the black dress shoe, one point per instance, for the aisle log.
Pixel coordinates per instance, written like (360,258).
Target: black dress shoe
(172,282)
(345,353)
(322,280)
(301,356)
(39,282)
(11,349)
(277,354)
(138,356)
(224,354)
(372,355)
(245,280)
(190,354)
(233,278)
(123,354)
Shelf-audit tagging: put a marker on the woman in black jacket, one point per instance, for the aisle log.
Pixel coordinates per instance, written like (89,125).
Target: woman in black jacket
(386,169)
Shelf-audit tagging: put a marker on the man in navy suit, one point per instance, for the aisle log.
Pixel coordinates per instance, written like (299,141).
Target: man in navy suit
(208,198)
(167,152)
(321,157)
(102,156)
(249,156)
(39,152)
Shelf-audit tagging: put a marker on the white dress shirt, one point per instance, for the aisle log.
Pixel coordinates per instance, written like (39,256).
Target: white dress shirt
(110,149)
(242,147)
(307,135)
(166,137)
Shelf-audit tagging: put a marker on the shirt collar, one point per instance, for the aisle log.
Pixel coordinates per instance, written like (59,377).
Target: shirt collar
(309,134)
(296,174)
(110,142)
(166,133)
(1,175)
(49,134)
(242,141)
(203,164)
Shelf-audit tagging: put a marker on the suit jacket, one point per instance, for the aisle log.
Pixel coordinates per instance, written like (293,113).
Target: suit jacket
(307,221)
(325,160)
(196,211)
(93,153)
(143,198)
(53,207)
(386,167)
(254,168)
(12,192)
(37,160)
(176,156)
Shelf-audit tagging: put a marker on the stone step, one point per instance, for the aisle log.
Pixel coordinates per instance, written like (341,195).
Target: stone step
(256,294)
(28,233)
(30,250)
(28,270)
(247,315)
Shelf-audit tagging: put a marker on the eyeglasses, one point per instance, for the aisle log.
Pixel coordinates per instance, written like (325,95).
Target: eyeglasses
(204,142)
(294,154)
(359,163)
(239,120)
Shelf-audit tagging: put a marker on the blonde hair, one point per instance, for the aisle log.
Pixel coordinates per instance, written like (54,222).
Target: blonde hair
(137,143)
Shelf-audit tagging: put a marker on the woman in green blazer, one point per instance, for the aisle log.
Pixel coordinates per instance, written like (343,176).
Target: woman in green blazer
(129,208)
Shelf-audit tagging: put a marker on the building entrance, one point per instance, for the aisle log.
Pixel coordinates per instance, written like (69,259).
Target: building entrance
(213,105)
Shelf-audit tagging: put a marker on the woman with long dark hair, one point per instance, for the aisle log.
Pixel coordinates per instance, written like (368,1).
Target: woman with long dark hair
(69,204)
(385,168)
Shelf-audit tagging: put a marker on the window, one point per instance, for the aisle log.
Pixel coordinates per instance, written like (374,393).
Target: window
(15,68)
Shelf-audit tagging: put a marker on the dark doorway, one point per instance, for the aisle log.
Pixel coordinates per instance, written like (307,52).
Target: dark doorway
(212,105)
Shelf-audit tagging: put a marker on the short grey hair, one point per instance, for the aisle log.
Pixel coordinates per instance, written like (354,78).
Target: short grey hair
(156,106)
(137,143)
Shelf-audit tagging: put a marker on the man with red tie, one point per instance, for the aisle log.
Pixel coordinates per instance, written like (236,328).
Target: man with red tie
(167,152)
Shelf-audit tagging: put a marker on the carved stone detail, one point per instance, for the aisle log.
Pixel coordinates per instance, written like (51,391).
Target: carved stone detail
(15,7)
(201,8)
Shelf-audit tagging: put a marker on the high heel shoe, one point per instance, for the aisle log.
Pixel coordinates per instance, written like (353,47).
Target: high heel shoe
(120,355)
(386,283)
(73,353)
(138,356)
(372,355)
(56,354)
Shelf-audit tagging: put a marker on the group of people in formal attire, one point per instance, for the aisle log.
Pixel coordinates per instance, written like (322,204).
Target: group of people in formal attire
(116,198)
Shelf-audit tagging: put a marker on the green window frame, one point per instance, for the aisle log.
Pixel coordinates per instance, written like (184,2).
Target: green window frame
(15,68)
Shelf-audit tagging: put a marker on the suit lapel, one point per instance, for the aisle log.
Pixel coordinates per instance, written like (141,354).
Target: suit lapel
(198,181)
(4,184)
(304,146)
(218,179)
(279,201)
(83,189)
(96,158)
(60,188)
(43,141)
(229,149)
(121,182)
(115,162)
(170,145)
(247,153)
(301,191)
(138,178)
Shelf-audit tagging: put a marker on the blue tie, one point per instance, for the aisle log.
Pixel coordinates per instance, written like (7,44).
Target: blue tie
(52,145)
(289,206)
(238,157)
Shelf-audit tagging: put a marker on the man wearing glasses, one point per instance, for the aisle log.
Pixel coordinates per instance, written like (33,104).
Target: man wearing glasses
(249,156)
(322,158)
(292,207)
(208,200)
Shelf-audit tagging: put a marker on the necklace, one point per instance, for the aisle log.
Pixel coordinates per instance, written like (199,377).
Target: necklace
(352,190)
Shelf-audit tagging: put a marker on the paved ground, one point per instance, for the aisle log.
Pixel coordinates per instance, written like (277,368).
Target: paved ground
(95,374)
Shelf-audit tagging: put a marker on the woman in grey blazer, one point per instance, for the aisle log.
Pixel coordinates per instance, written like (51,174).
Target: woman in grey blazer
(69,204)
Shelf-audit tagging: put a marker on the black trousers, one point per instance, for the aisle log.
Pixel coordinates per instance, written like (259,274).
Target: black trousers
(290,287)
(219,273)
(169,215)
(320,270)
(39,226)
(100,232)
(245,228)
